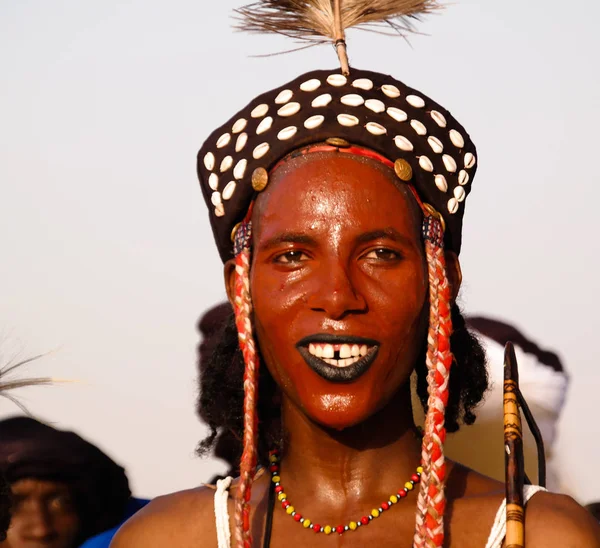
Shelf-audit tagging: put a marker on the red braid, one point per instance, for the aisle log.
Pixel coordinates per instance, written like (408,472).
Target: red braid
(431,501)
(243,310)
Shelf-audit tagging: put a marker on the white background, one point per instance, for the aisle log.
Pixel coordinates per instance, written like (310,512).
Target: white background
(106,254)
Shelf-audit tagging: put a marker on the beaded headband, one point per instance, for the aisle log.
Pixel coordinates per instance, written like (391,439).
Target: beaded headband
(367,109)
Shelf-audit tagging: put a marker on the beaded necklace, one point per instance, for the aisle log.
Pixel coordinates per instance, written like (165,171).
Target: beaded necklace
(328,529)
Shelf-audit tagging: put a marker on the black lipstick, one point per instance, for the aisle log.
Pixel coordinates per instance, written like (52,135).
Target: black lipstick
(330,372)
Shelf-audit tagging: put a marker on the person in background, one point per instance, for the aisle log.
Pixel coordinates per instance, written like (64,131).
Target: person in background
(64,489)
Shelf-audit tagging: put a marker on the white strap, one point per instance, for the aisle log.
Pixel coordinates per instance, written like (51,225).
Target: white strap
(222,513)
(499,528)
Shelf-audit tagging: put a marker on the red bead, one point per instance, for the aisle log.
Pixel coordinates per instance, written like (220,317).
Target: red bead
(298,517)
(402,493)
(364,520)
(385,505)
(316,528)
(273,468)
(278,489)
(285,504)
(340,529)
(415,478)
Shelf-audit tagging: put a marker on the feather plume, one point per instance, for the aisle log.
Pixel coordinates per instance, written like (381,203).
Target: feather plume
(320,21)
(9,384)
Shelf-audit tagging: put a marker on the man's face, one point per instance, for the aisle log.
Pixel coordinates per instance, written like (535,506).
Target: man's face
(43,515)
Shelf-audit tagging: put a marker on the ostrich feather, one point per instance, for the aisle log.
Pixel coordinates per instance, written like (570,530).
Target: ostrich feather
(316,21)
(8,384)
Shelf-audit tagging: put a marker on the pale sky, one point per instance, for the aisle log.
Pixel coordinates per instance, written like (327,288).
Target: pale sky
(107,255)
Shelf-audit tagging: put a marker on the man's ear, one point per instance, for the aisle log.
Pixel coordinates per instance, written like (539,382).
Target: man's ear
(229,275)
(454,273)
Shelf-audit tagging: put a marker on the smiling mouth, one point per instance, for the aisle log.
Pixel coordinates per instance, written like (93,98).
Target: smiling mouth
(338,358)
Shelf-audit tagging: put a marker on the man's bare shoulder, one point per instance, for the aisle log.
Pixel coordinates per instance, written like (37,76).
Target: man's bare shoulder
(181,519)
(557,521)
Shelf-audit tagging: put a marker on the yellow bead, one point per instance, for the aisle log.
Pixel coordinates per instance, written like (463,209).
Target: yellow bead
(327,530)
(306,523)
(273,458)
(420,469)
(394,499)
(275,479)
(353,525)
(289,509)
(375,513)
(281,496)
(408,486)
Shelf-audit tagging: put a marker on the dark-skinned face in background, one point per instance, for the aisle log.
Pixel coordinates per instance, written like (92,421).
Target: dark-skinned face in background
(338,273)
(43,515)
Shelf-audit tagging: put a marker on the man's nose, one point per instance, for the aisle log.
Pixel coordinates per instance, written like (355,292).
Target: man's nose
(337,294)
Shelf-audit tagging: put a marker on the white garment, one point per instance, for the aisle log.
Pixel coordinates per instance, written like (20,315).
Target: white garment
(222,515)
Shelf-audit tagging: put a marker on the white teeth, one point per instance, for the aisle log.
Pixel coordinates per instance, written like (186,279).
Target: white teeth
(345,351)
(319,352)
(355,350)
(328,351)
(311,349)
(363,350)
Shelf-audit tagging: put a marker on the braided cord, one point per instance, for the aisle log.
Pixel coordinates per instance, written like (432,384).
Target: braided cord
(431,502)
(243,311)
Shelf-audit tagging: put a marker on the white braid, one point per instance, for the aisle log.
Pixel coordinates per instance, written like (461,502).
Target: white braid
(222,513)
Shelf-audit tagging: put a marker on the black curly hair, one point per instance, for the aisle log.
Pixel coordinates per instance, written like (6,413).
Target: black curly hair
(221,372)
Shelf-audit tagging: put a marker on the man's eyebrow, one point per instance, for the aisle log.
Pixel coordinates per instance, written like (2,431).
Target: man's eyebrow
(287,238)
(389,233)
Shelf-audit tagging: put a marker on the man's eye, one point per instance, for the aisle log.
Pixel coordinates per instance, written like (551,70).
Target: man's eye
(291,257)
(382,254)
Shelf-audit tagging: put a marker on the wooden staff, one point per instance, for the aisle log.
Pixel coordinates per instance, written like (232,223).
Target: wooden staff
(514,460)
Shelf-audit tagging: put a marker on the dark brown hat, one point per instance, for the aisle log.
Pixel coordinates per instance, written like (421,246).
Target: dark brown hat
(367,109)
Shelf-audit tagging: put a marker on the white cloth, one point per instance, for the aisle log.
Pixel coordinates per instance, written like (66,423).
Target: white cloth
(224,537)
(499,528)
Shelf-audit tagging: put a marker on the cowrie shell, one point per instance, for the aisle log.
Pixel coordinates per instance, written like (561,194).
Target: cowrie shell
(463,177)
(441,183)
(213,181)
(224,140)
(239,170)
(450,163)
(337,80)
(419,127)
(260,151)
(314,121)
(289,110)
(375,128)
(241,142)
(403,143)
(321,100)
(363,83)
(425,163)
(259,111)
(287,133)
(439,118)
(226,163)
(209,161)
(397,114)
(469,160)
(215,198)
(240,125)
(220,211)
(415,101)
(284,97)
(457,139)
(352,100)
(391,91)
(435,144)
(459,193)
(375,105)
(265,125)
(310,85)
(453,205)
(229,190)
(347,120)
